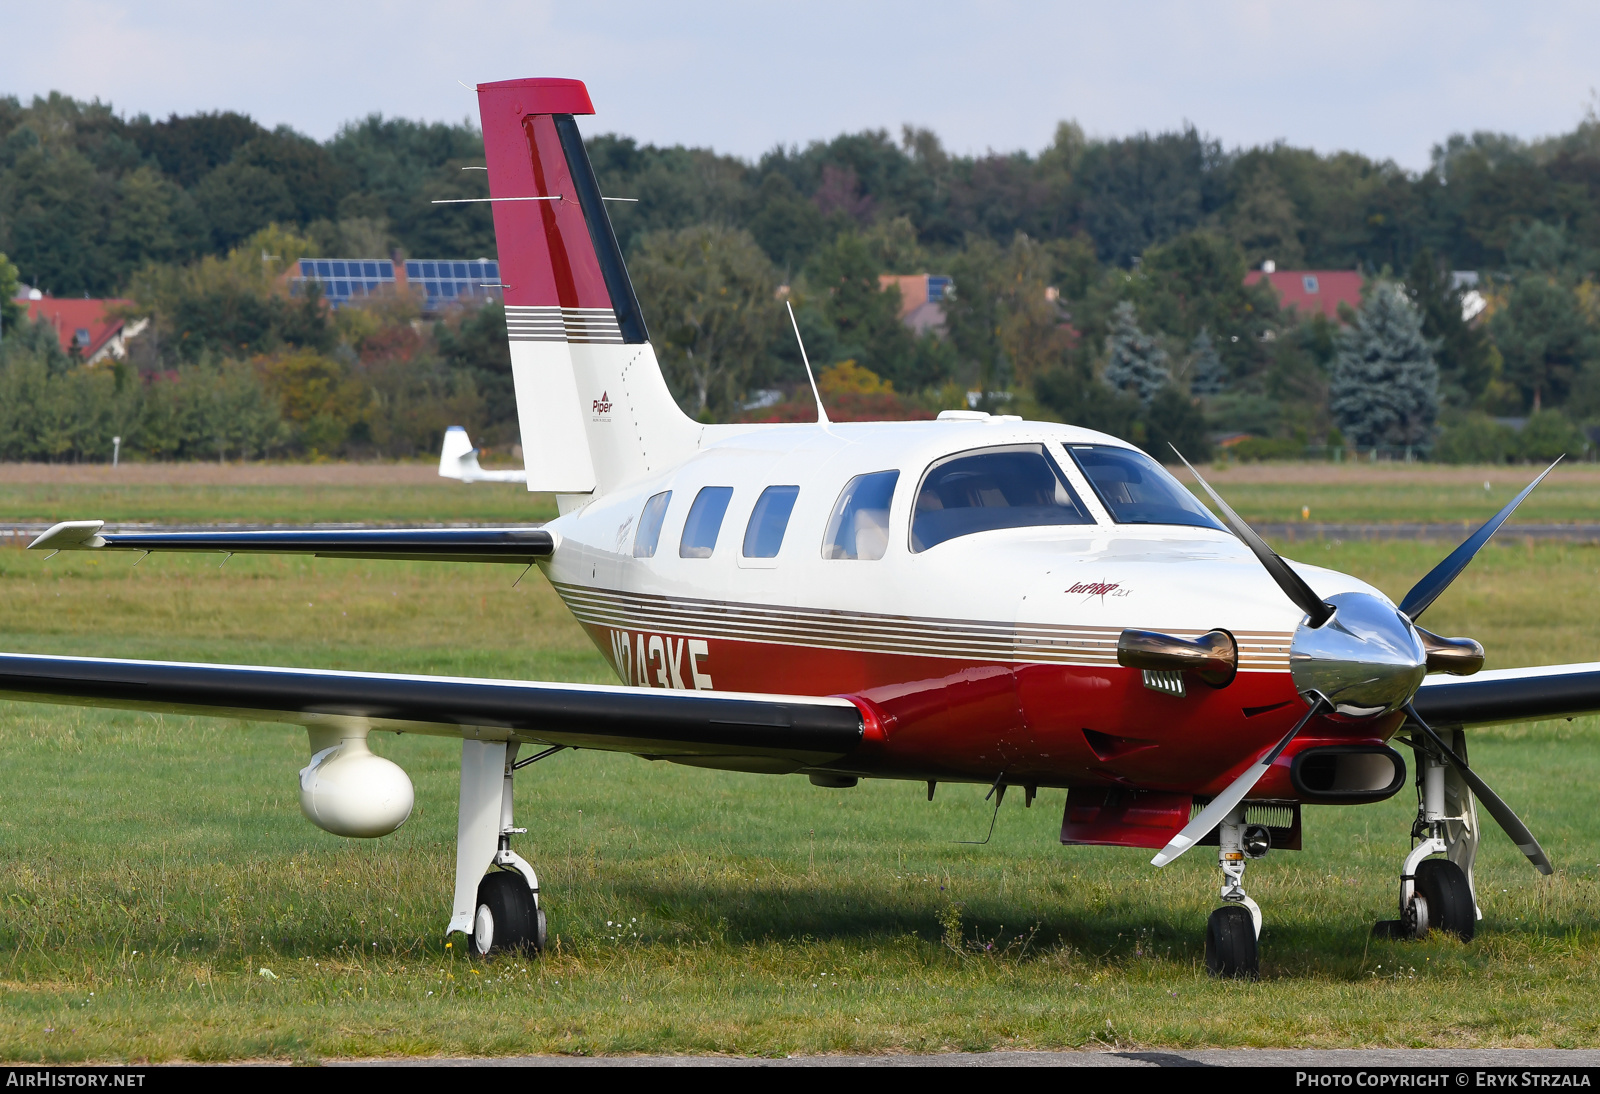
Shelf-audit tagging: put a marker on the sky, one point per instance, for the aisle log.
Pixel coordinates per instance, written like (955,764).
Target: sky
(1385,79)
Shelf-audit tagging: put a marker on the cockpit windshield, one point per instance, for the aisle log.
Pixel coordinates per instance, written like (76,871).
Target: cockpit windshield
(1015,486)
(1137,489)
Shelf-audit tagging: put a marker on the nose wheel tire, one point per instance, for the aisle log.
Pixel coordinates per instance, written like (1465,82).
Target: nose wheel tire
(509,919)
(1232,952)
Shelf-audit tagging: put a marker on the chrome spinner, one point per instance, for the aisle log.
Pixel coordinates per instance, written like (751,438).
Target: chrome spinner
(1366,659)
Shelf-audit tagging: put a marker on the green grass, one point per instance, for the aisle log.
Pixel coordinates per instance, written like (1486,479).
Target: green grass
(1359,494)
(1402,496)
(150,867)
(289,504)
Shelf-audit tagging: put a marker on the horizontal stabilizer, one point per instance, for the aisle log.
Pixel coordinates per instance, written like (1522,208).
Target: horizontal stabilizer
(514,545)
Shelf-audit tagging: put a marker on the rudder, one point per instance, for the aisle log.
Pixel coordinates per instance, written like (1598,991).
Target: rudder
(595,411)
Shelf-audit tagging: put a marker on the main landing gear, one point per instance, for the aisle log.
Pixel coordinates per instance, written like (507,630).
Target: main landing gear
(1233,932)
(1437,894)
(499,910)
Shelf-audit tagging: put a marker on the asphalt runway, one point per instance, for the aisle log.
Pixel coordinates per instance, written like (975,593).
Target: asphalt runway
(1442,1059)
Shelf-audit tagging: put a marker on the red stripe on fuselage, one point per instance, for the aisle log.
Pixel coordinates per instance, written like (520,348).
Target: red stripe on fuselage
(1043,724)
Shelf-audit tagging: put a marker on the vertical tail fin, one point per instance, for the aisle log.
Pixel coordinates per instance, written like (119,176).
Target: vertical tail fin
(594,408)
(457,458)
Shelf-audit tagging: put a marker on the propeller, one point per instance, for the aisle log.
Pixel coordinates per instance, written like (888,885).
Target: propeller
(1292,584)
(1370,661)
(1498,809)
(1438,579)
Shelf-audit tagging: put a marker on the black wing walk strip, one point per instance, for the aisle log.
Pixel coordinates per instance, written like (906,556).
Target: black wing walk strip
(648,721)
(519,546)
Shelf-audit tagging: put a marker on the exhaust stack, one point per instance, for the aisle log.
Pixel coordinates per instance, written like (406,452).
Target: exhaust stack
(1213,657)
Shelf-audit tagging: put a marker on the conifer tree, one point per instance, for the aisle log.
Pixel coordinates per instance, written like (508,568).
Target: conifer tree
(1135,363)
(1207,374)
(1384,387)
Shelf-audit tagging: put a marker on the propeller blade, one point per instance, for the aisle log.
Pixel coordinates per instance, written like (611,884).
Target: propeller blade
(1438,579)
(1293,586)
(1499,810)
(1224,803)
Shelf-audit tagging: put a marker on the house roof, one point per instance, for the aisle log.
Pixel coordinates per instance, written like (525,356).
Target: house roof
(80,323)
(1310,291)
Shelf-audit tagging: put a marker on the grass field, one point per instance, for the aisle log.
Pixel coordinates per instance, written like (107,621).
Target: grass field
(289,493)
(1400,493)
(150,868)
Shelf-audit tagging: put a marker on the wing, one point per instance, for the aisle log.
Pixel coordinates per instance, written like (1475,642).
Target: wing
(725,729)
(515,545)
(1510,695)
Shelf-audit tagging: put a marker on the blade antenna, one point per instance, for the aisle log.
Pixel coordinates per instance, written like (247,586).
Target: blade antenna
(998,793)
(1438,579)
(1292,584)
(822,414)
(1498,809)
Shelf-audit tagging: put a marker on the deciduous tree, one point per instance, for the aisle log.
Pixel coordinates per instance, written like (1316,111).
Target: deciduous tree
(707,295)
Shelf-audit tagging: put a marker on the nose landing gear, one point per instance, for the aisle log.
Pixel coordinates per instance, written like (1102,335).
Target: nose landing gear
(1233,932)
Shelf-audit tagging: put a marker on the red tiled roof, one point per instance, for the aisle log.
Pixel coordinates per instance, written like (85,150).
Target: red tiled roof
(1310,291)
(69,316)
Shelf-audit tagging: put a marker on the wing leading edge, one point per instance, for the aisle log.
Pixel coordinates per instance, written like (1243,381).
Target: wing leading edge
(519,546)
(1510,695)
(792,731)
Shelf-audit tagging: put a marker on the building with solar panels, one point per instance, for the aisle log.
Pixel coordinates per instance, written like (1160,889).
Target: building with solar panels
(439,283)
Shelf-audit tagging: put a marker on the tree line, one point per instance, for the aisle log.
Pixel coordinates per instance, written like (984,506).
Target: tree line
(1098,281)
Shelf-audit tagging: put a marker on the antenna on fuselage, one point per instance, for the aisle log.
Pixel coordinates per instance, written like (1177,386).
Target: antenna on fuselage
(822,414)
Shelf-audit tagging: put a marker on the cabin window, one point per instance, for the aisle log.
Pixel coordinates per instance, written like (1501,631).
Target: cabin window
(704,522)
(859,526)
(764,534)
(1018,486)
(1137,489)
(649,533)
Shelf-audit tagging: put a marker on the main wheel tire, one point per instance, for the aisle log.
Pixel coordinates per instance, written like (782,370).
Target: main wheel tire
(1231,949)
(1450,909)
(507,920)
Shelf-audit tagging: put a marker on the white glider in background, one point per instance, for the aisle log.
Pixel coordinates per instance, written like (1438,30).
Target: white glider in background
(459,460)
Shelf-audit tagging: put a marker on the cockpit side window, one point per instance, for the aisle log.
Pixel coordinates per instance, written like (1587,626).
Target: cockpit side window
(704,521)
(769,521)
(649,533)
(1015,486)
(1137,489)
(859,526)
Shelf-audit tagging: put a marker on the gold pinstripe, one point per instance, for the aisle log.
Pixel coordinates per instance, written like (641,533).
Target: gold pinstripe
(913,635)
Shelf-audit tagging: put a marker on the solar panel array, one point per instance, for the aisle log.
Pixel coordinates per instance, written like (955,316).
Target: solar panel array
(446,282)
(344,279)
(440,282)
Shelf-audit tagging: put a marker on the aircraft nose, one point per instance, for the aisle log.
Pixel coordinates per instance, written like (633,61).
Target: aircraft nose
(1366,660)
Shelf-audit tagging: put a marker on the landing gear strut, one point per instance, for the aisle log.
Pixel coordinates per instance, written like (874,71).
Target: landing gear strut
(1233,932)
(499,910)
(1437,894)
